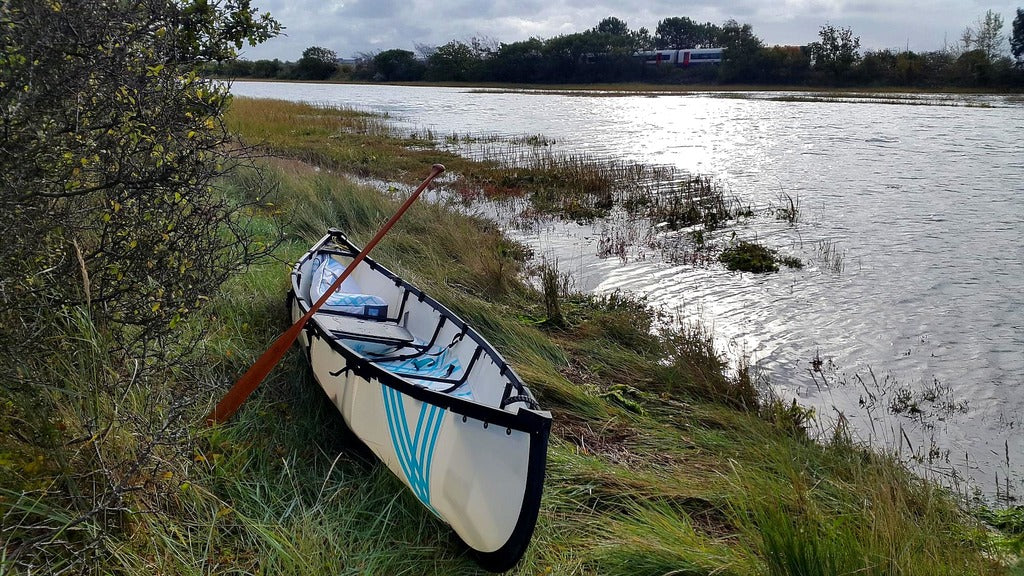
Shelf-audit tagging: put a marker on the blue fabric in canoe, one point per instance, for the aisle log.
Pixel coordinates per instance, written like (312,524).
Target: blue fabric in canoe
(438,362)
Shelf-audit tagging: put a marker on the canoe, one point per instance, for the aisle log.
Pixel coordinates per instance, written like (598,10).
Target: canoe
(429,396)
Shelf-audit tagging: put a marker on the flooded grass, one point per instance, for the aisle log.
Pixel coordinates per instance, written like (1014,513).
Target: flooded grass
(830,257)
(900,99)
(788,209)
(909,422)
(694,201)
(527,174)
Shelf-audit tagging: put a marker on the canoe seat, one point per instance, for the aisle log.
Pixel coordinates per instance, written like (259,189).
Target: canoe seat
(347,299)
(352,328)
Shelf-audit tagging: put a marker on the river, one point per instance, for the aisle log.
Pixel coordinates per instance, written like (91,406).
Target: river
(909,315)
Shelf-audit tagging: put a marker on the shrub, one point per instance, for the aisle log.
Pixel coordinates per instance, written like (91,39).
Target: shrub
(111,151)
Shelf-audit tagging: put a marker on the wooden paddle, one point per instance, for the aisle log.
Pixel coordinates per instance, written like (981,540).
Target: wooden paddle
(252,377)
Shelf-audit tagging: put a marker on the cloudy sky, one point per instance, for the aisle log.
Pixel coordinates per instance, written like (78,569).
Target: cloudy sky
(350,27)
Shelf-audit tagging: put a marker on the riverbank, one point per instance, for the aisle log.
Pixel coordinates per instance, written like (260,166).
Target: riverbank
(632,426)
(659,462)
(908,279)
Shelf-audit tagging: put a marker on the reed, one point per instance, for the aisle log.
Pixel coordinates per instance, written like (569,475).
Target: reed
(830,257)
(788,209)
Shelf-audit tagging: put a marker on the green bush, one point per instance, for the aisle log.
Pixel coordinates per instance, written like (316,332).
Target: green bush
(115,232)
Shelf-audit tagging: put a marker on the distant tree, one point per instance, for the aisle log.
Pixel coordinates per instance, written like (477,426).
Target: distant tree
(424,51)
(455,60)
(973,68)
(836,53)
(568,57)
(936,66)
(642,39)
(233,69)
(988,35)
(1017,38)
(266,68)
(612,25)
(611,36)
(317,63)
(741,60)
(320,54)
(891,68)
(483,46)
(681,32)
(966,42)
(676,32)
(398,65)
(708,35)
(517,62)
(785,65)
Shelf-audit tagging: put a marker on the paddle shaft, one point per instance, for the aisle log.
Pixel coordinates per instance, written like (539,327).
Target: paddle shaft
(265,363)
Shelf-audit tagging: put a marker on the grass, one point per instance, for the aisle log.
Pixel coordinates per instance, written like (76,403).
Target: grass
(643,200)
(830,257)
(659,462)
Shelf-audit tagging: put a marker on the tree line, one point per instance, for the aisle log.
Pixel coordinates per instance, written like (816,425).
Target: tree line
(607,53)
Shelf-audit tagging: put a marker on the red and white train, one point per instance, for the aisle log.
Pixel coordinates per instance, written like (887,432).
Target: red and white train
(682,58)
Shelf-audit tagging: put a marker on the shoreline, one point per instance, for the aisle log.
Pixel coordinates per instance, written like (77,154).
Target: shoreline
(667,89)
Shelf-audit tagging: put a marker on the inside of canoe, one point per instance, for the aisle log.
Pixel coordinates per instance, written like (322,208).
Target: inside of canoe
(405,333)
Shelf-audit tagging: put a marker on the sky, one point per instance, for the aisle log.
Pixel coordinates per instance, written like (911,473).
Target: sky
(352,27)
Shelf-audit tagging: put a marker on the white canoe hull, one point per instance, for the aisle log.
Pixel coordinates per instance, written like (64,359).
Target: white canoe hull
(471,443)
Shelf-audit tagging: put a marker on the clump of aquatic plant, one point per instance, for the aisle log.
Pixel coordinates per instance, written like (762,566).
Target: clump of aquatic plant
(747,256)
(696,200)
(791,262)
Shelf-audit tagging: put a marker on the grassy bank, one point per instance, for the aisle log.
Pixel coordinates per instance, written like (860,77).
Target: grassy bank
(659,462)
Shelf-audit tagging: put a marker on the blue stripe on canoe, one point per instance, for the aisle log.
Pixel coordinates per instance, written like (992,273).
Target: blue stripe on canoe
(415,451)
